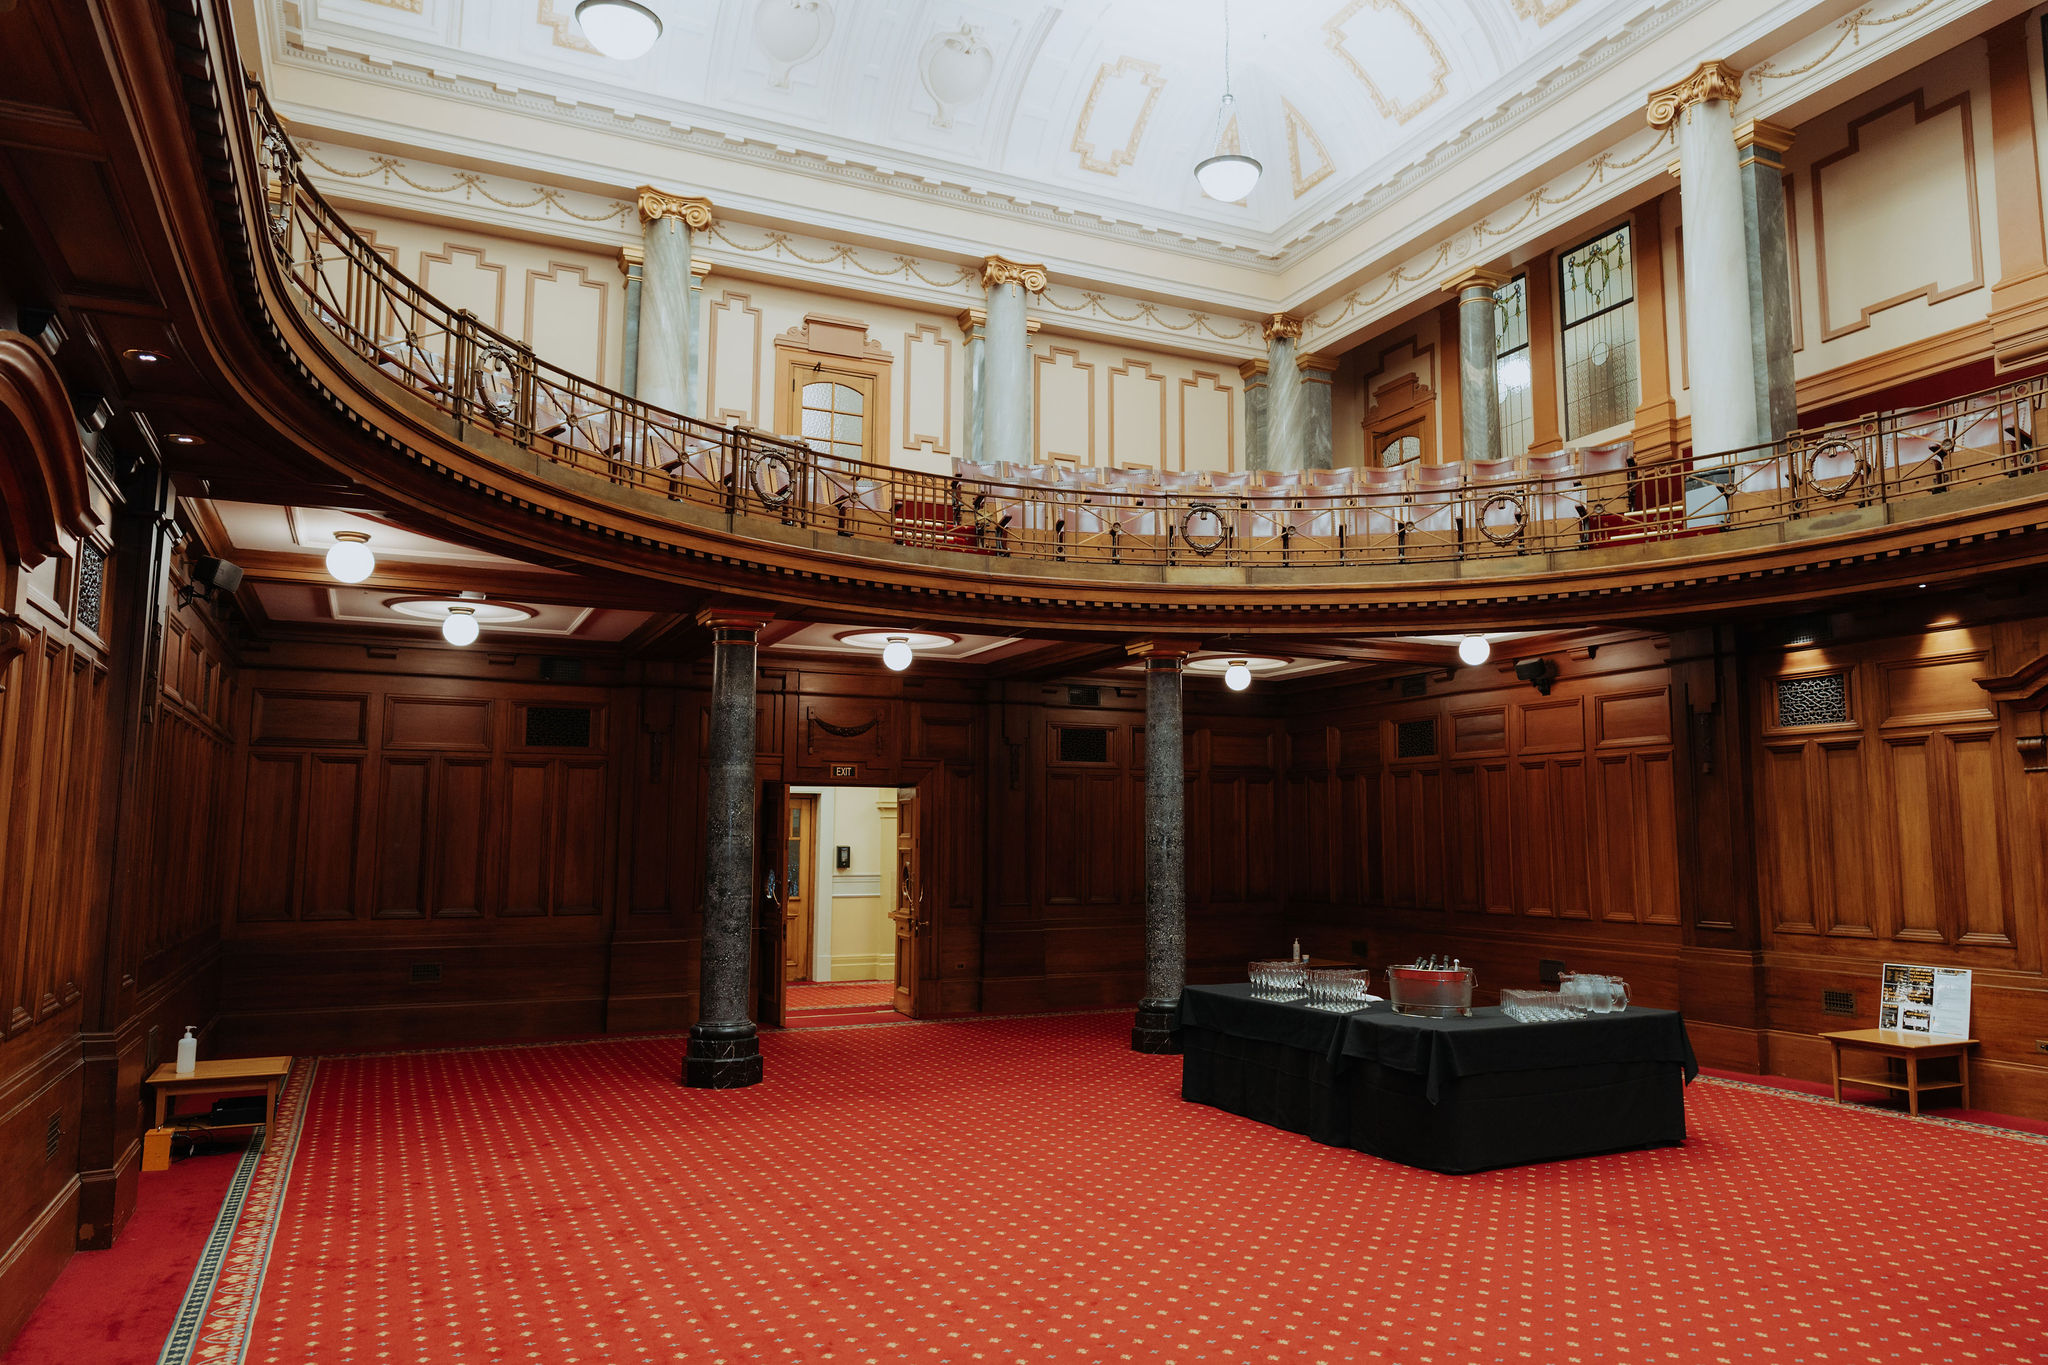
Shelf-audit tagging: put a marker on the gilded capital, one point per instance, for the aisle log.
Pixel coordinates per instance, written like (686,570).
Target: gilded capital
(1712,81)
(1474,279)
(1771,137)
(1282,325)
(972,320)
(655,204)
(996,270)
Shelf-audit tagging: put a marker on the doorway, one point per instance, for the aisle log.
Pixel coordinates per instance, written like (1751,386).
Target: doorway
(838,865)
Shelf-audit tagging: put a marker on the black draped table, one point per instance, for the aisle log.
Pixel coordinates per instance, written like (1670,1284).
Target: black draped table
(1456,1095)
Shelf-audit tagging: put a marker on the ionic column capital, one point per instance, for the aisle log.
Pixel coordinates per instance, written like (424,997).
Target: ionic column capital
(1283,326)
(1000,270)
(1489,280)
(1709,81)
(656,204)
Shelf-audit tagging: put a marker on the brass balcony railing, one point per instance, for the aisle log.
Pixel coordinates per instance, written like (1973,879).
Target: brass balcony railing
(1541,504)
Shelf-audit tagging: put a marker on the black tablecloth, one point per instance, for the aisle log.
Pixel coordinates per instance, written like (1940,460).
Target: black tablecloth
(1446,1094)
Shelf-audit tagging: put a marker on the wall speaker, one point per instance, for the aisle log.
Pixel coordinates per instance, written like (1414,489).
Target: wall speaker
(1538,673)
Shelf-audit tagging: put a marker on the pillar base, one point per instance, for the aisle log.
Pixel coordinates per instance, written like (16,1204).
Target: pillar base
(722,1057)
(1157,1028)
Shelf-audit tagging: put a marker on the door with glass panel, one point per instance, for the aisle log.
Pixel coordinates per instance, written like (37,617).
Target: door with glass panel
(835,410)
(799,897)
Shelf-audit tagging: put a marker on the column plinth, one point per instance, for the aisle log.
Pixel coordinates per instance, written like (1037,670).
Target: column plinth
(724,1051)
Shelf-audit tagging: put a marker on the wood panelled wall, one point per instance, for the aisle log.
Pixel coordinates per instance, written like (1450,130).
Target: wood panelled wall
(1878,783)
(409,869)
(114,751)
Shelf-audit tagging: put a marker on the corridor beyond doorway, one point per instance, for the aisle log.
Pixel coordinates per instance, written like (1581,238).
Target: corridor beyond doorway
(836,865)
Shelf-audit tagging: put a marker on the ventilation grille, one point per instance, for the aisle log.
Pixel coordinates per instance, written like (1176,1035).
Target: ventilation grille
(1800,631)
(1414,685)
(1415,739)
(1084,696)
(92,573)
(1838,1002)
(53,1137)
(1078,745)
(1822,700)
(561,670)
(558,727)
(425,972)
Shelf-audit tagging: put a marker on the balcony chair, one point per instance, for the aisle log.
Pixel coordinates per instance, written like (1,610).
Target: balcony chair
(1436,506)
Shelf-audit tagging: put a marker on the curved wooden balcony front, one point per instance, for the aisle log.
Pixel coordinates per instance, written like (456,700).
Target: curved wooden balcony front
(473,433)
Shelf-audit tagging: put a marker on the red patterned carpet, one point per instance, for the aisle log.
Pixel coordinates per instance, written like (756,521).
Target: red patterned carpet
(838,995)
(1028,1189)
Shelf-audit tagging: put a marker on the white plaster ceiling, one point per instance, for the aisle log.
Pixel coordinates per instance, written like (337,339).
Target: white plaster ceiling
(1097,108)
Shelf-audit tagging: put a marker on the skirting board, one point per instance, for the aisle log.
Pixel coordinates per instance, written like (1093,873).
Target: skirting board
(863,967)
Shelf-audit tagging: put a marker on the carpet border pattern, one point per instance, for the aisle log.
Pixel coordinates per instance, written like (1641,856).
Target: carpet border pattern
(1964,1125)
(213,1320)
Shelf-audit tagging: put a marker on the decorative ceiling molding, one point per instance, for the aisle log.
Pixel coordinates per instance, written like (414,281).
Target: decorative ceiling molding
(355,178)
(1392,107)
(1298,132)
(1542,11)
(563,28)
(1125,68)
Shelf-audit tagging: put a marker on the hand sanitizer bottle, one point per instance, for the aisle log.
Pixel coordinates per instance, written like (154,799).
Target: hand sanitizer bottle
(1297,951)
(188,1053)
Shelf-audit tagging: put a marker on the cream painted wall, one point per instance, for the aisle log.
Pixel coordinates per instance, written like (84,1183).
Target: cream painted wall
(1413,349)
(1112,405)
(853,938)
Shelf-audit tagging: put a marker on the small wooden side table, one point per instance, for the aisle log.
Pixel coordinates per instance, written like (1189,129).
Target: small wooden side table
(1913,1049)
(228,1076)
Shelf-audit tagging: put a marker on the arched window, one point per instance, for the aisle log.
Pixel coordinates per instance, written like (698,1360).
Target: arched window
(1402,449)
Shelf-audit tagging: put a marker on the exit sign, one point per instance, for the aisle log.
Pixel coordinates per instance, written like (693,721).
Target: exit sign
(845,770)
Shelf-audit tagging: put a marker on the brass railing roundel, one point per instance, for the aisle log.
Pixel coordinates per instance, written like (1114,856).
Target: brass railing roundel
(1594,498)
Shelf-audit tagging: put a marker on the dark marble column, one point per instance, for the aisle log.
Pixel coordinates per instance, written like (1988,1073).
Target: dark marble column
(630,265)
(1478,389)
(724,1052)
(1761,149)
(1166,948)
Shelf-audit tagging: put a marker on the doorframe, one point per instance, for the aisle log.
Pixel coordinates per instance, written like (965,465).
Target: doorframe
(792,799)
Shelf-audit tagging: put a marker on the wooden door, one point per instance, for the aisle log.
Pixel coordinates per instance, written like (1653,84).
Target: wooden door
(909,913)
(799,896)
(769,924)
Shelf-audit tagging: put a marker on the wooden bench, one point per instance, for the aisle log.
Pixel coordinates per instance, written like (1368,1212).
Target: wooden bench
(1912,1049)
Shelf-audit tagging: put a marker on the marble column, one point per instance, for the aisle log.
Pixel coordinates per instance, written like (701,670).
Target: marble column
(1257,428)
(630,261)
(974,325)
(1006,362)
(724,1052)
(1760,156)
(662,367)
(1285,418)
(1316,376)
(1157,1028)
(693,391)
(1478,389)
(1720,331)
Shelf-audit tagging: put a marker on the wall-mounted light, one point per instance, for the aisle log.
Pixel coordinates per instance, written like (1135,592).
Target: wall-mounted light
(1475,650)
(460,627)
(620,29)
(350,559)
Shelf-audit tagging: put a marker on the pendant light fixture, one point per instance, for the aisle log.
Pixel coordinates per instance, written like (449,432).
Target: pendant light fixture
(1227,176)
(350,559)
(620,29)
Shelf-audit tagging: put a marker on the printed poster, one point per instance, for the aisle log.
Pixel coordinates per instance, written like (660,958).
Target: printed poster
(1929,1000)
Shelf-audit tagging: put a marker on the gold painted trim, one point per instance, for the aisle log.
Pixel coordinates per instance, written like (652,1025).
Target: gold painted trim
(1440,66)
(1298,127)
(1709,81)
(1282,325)
(657,204)
(1120,157)
(999,270)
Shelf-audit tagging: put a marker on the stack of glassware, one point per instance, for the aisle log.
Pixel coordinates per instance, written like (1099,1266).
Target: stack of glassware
(1593,994)
(1537,1007)
(1278,978)
(1339,989)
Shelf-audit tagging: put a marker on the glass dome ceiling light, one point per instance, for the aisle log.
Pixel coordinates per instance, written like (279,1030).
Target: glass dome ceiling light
(620,29)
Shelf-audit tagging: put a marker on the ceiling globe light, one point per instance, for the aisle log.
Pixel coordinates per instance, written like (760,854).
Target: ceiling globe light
(896,654)
(620,29)
(460,628)
(350,560)
(1228,178)
(1475,650)
(1238,676)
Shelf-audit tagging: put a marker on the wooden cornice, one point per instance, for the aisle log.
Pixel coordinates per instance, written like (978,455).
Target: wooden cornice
(45,492)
